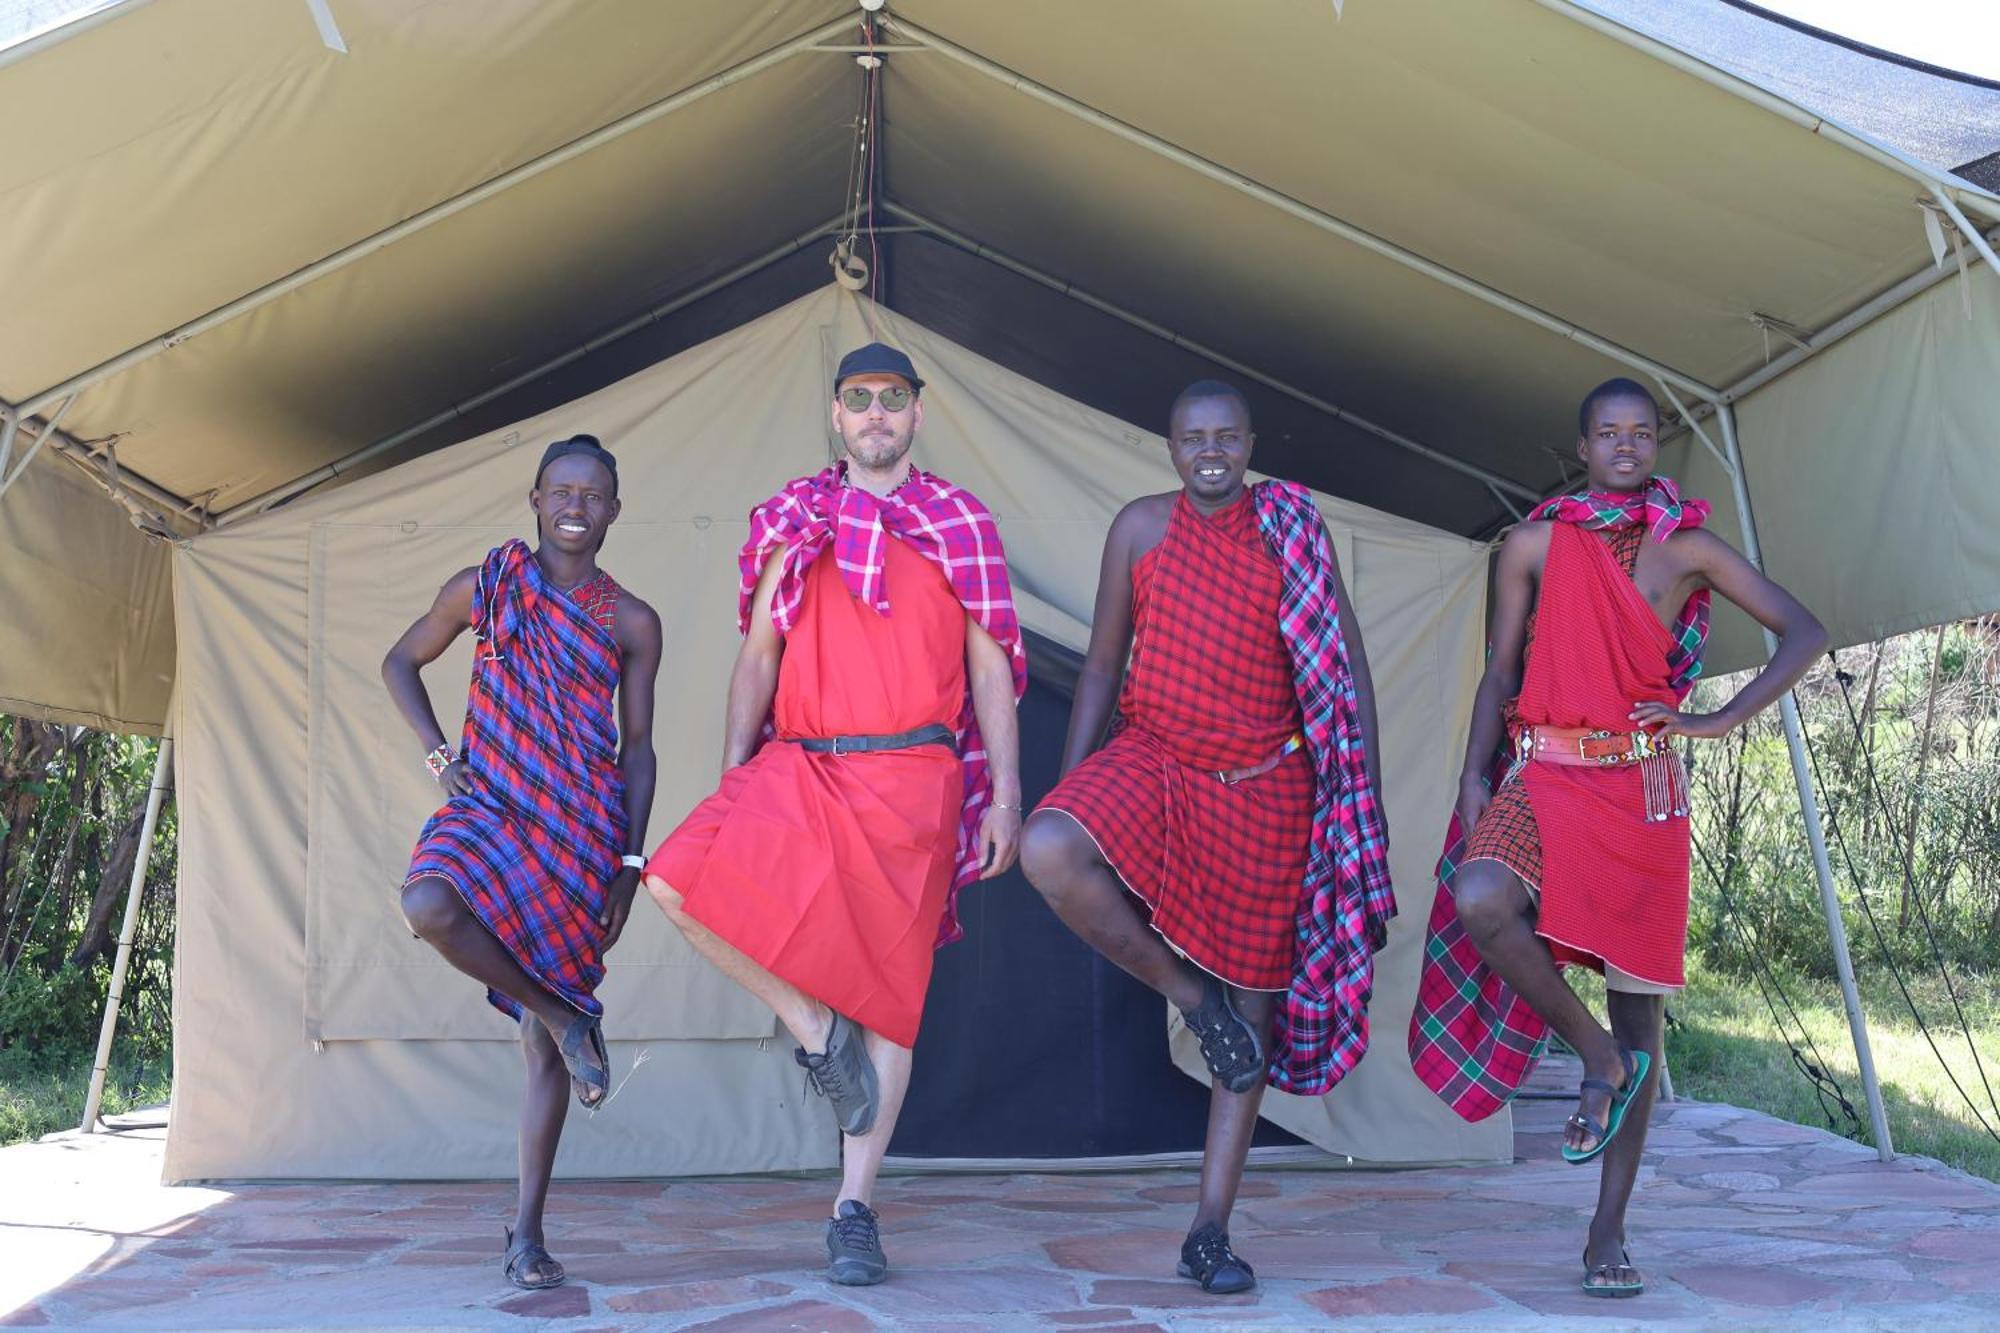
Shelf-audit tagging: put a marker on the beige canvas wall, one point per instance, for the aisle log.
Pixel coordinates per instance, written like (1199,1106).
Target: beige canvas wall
(316,1038)
(86,625)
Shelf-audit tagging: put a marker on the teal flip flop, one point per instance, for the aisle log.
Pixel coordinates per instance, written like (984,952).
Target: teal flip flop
(1637,1063)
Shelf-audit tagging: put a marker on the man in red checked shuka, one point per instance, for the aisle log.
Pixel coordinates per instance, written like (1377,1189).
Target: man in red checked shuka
(870,767)
(1236,797)
(517,881)
(1580,855)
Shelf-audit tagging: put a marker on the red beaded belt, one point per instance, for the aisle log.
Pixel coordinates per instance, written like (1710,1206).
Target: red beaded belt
(1663,776)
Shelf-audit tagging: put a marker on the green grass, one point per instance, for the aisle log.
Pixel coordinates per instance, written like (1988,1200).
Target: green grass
(43,1093)
(1727,1049)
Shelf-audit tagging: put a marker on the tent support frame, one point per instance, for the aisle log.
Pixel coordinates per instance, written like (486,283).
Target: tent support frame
(1501,486)
(43,436)
(257,504)
(1303,212)
(129,929)
(436,213)
(1788,707)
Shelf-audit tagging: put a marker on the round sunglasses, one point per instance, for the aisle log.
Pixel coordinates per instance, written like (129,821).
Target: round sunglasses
(894,398)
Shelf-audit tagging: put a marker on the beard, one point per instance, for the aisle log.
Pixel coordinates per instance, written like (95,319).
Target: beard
(878,452)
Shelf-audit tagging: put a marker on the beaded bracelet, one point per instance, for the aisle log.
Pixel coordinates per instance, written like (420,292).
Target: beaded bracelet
(438,760)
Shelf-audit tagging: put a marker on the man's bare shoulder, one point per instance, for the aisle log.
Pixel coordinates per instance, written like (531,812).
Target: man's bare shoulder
(636,622)
(1528,543)
(1694,548)
(1142,524)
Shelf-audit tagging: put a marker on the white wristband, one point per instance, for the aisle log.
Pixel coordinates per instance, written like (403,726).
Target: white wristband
(635,862)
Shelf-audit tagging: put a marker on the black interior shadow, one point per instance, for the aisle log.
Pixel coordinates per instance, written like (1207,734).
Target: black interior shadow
(1032,1045)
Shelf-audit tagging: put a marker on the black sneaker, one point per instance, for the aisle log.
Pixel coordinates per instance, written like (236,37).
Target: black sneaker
(1230,1047)
(844,1075)
(854,1255)
(1207,1258)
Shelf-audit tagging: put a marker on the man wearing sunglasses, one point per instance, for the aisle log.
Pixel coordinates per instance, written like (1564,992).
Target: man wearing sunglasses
(870,767)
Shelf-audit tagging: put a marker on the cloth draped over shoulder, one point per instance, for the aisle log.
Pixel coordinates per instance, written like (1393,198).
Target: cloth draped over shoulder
(945,524)
(534,845)
(1346,902)
(1473,1040)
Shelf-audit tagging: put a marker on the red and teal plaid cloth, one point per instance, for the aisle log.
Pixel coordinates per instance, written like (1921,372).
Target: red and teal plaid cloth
(945,524)
(1473,1041)
(535,843)
(1347,902)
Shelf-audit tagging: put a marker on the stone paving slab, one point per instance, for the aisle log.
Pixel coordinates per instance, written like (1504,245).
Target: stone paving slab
(1739,1221)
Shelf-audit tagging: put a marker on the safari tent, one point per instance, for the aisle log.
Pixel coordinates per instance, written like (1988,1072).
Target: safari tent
(289,287)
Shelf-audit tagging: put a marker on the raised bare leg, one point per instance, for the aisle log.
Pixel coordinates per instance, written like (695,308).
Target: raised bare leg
(1498,913)
(437,914)
(1066,868)
(809,1021)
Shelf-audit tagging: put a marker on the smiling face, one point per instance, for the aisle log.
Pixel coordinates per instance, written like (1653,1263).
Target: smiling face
(575,501)
(876,439)
(1209,441)
(1619,446)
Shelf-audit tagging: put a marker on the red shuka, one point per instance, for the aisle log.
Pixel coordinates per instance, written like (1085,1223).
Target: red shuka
(1614,884)
(1210,689)
(832,871)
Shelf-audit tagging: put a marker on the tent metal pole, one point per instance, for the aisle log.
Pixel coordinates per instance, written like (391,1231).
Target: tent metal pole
(1493,480)
(128,931)
(1836,928)
(1925,278)
(10,426)
(257,504)
(1880,154)
(436,213)
(1965,227)
(1304,212)
(42,437)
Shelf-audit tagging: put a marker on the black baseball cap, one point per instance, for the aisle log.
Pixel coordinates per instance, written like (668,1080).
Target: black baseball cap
(876,359)
(584,446)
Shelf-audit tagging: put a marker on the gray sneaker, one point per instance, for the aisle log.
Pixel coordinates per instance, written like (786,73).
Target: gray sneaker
(844,1075)
(854,1255)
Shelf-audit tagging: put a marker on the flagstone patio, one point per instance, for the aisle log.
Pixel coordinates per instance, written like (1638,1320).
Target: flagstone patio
(1740,1221)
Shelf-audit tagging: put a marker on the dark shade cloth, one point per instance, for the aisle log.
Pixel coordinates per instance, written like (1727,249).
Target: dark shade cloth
(535,844)
(1220,865)
(831,871)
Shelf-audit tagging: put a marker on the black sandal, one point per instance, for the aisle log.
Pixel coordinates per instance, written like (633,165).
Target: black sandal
(522,1257)
(1207,1258)
(585,1035)
(1611,1289)
(1230,1047)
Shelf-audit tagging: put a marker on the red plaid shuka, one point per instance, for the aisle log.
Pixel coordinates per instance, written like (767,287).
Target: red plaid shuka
(945,524)
(536,843)
(1473,1041)
(1209,690)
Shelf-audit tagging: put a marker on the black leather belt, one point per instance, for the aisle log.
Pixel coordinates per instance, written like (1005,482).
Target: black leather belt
(937,733)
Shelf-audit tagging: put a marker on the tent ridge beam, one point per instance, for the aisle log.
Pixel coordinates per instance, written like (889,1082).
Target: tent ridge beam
(1298,209)
(436,213)
(265,500)
(1492,480)
(1812,122)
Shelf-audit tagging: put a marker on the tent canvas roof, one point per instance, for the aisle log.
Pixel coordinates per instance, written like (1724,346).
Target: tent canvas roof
(1576,193)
